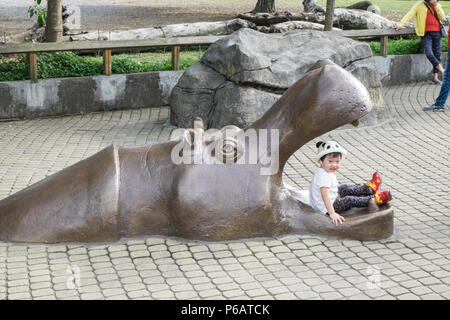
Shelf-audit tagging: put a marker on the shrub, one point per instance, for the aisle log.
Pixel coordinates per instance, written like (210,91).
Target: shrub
(66,64)
(69,64)
(14,69)
(403,46)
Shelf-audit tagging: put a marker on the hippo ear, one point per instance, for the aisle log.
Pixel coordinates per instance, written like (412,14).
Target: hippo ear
(318,144)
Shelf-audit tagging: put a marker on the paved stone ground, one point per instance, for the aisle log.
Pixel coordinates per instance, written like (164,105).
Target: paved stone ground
(411,152)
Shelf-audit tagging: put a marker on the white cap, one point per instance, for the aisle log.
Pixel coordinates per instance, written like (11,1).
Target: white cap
(327,147)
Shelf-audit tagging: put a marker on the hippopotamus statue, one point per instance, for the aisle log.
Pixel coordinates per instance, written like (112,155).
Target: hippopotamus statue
(134,192)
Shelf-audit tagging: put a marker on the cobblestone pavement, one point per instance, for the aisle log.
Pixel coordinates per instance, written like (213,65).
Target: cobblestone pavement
(411,152)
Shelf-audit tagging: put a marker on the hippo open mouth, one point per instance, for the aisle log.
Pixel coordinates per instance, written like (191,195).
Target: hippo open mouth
(334,98)
(217,195)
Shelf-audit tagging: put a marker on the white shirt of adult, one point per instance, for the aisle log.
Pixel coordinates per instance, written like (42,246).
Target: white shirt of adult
(322,178)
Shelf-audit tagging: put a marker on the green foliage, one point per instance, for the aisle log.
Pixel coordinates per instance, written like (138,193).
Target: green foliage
(69,64)
(401,6)
(66,64)
(403,46)
(444,44)
(39,12)
(14,69)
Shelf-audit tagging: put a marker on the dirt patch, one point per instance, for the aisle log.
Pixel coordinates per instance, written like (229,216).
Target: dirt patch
(117,15)
(125,15)
(392,15)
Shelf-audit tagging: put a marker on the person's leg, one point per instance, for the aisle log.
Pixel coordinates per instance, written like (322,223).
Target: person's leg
(436,47)
(354,190)
(439,104)
(342,204)
(427,44)
(445,89)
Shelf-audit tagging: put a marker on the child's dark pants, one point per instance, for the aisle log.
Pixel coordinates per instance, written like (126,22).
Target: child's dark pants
(350,196)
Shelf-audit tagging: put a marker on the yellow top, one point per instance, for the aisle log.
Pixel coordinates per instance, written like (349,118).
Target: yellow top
(419,10)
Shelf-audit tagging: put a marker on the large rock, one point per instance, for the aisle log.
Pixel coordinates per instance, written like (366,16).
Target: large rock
(241,76)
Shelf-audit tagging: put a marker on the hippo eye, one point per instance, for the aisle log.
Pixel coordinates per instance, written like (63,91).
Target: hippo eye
(228,150)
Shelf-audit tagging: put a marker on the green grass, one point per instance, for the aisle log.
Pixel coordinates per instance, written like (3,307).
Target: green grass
(69,64)
(401,6)
(403,46)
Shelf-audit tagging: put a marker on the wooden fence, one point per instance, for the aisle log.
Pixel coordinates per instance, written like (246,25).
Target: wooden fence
(32,49)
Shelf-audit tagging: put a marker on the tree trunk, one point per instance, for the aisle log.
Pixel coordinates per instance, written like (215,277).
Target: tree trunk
(264,19)
(329,14)
(264,6)
(54,27)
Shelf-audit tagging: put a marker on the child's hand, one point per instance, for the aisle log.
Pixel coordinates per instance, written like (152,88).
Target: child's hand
(336,218)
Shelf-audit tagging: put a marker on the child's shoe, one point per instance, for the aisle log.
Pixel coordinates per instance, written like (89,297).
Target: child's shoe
(375,183)
(383,197)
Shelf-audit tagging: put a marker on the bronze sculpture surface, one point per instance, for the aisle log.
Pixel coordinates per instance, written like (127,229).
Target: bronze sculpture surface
(134,192)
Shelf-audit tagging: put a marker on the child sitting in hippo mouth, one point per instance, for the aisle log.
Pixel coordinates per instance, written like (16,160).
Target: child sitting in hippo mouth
(328,197)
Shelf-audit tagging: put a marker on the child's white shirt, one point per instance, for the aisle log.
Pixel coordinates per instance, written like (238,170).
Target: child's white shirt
(322,178)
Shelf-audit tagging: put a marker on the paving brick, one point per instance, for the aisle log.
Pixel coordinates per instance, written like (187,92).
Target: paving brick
(397,291)
(186,295)
(256,292)
(198,280)
(40,285)
(207,294)
(157,287)
(139,254)
(307,295)
(229,294)
(138,294)
(92,296)
(110,284)
(154,280)
(134,287)
(130,280)
(154,241)
(166,294)
(127,273)
(19,296)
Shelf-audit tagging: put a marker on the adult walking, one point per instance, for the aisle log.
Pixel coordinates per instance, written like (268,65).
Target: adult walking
(439,104)
(428,14)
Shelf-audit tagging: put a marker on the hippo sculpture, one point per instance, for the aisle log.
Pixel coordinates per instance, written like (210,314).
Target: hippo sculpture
(134,192)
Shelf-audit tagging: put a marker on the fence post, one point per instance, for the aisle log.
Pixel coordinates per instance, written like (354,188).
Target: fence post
(107,67)
(33,69)
(383,45)
(176,58)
